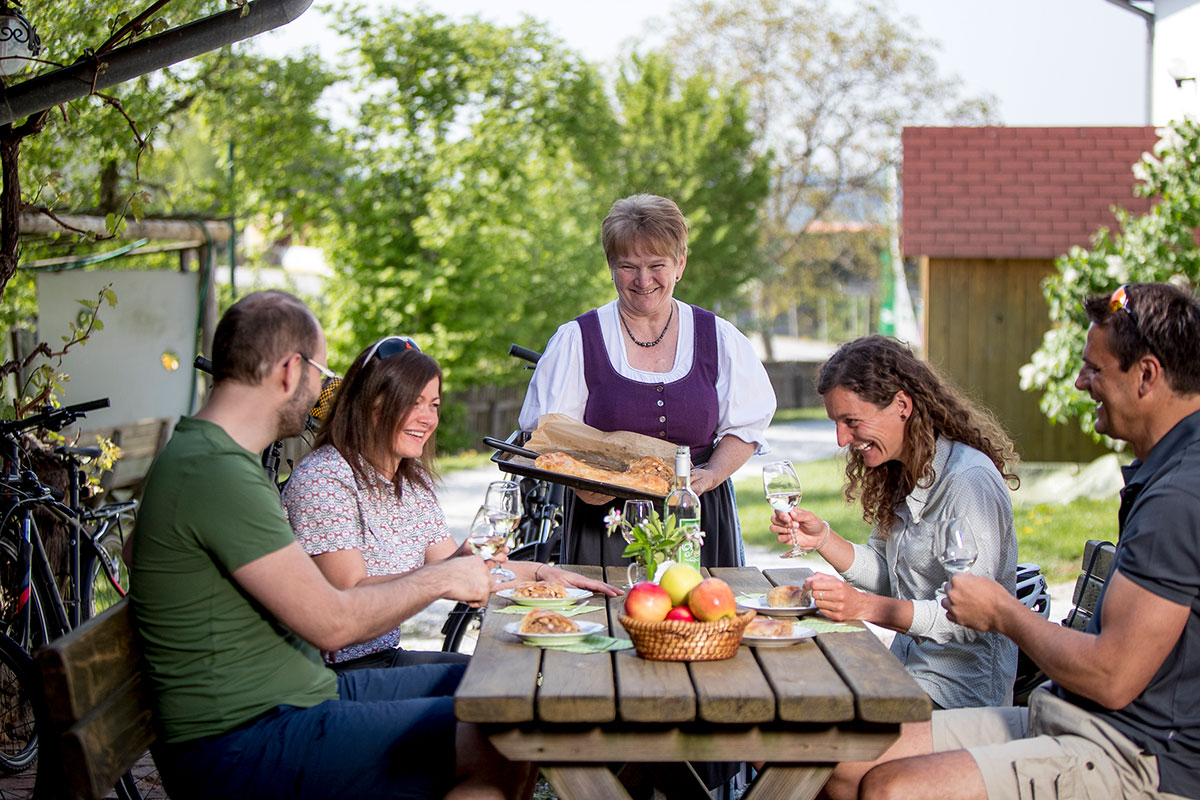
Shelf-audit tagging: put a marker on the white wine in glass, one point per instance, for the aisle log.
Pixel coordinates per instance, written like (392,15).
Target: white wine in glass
(954,546)
(782,488)
(486,541)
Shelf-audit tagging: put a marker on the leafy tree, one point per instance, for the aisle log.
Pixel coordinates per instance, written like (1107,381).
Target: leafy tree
(830,87)
(688,138)
(1159,245)
(472,216)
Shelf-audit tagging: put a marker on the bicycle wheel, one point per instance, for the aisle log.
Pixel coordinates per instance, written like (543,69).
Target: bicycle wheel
(141,781)
(10,617)
(18,724)
(106,578)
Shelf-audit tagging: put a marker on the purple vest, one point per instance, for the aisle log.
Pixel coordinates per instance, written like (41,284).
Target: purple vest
(684,412)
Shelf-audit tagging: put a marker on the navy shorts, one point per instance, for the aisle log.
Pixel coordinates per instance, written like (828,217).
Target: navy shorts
(391,734)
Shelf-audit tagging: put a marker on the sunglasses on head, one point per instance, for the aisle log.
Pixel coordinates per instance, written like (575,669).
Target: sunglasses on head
(1120,301)
(390,346)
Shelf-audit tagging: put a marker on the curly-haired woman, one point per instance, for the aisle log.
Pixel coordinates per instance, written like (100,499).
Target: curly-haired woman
(918,453)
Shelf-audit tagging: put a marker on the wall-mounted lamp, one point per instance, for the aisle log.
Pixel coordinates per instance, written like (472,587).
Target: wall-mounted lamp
(19,41)
(1179,71)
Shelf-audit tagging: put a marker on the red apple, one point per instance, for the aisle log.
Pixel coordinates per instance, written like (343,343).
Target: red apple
(681,613)
(712,599)
(647,602)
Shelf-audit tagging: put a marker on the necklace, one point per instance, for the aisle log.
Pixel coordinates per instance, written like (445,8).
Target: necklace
(660,336)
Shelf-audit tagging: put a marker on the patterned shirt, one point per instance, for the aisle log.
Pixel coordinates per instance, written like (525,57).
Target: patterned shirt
(958,667)
(329,511)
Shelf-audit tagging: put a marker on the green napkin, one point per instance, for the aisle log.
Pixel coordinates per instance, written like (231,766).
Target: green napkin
(568,611)
(596,643)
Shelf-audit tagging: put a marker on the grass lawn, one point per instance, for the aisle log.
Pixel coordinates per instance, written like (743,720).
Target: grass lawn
(1052,536)
(467,459)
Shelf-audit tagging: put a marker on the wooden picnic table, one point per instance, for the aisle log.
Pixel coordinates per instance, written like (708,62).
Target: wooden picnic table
(838,697)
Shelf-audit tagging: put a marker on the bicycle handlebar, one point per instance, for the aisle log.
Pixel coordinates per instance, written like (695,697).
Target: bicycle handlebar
(524,353)
(54,419)
(203,364)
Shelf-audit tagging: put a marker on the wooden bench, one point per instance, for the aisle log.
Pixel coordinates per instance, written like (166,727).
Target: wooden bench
(98,706)
(1097,560)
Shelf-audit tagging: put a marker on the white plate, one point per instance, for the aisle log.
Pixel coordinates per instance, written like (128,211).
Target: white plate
(799,633)
(573,596)
(586,629)
(758,602)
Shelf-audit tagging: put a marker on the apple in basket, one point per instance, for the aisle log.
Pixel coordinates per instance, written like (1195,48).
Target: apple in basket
(712,599)
(681,613)
(648,602)
(678,580)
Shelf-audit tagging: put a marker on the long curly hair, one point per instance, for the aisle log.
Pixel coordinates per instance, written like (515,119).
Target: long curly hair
(877,367)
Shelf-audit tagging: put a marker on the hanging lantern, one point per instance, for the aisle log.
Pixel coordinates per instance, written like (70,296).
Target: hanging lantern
(19,42)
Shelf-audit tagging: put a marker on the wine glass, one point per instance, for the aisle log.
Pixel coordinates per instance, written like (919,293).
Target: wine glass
(954,546)
(782,488)
(636,512)
(486,540)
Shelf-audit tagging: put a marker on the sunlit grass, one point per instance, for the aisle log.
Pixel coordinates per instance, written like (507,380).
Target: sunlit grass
(467,459)
(1049,535)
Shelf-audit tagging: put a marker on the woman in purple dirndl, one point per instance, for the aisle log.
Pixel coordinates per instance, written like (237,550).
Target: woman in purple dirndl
(651,364)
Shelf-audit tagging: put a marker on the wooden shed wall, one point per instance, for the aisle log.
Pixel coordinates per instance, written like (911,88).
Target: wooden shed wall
(983,320)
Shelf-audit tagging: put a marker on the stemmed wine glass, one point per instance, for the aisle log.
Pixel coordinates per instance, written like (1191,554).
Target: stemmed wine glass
(782,488)
(486,541)
(954,546)
(502,505)
(636,512)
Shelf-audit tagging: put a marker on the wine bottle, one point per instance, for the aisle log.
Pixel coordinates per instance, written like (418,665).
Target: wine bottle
(684,506)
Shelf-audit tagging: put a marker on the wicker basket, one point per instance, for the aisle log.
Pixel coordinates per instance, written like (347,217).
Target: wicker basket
(676,640)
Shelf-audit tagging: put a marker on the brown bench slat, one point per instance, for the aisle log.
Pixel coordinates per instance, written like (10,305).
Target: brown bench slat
(98,699)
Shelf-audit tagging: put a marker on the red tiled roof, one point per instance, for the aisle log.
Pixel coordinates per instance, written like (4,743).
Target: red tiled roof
(1015,192)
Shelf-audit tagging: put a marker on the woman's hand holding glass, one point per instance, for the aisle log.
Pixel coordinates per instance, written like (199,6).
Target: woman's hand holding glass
(800,528)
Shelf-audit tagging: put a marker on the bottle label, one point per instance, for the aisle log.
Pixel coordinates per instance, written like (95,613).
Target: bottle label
(688,552)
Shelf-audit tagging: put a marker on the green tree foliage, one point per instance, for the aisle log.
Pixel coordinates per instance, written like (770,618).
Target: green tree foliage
(688,138)
(1159,245)
(830,87)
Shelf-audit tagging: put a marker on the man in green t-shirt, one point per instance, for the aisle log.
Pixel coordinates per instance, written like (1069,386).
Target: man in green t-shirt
(233,612)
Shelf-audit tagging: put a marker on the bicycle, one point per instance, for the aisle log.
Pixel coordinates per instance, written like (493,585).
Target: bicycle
(37,603)
(536,538)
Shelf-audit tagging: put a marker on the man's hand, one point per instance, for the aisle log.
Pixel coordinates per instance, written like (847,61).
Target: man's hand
(464,579)
(978,602)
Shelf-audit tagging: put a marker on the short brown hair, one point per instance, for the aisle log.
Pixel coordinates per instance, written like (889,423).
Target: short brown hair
(1167,327)
(257,332)
(372,403)
(644,223)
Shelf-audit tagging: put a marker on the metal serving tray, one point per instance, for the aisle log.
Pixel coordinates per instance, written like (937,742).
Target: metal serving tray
(522,465)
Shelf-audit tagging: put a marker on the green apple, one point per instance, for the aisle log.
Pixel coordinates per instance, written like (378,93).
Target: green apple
(679,580)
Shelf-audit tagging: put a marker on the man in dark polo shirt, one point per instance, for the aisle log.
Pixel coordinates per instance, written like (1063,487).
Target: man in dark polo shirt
(1121,717)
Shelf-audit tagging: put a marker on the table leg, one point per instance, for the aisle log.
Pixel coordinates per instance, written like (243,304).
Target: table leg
(584,782)
(789,782)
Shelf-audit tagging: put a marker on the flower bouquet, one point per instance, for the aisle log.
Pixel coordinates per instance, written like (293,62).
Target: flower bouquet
(652,542)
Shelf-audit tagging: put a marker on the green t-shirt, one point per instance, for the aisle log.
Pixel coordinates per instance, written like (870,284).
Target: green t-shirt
(217,658)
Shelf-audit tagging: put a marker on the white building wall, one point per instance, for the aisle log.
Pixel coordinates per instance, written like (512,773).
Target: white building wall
(1176,46)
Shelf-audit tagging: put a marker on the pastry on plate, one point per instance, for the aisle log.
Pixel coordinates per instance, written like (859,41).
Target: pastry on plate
(543,620)
(769,627)
(789,597)
(540,590)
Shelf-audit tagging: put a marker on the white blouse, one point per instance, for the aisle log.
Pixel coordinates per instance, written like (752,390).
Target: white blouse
(746,400)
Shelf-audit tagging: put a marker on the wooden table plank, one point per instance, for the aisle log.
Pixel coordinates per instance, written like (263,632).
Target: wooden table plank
(501,680)
(787,782)
(649,691)
(787,576)
(883,689)
(807,688)
(646,743)
(578,687)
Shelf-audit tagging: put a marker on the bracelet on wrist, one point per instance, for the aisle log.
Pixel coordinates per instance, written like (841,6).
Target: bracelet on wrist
(537,570)
(824,538)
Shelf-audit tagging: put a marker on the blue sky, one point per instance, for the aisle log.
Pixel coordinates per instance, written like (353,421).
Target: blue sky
(1049,62)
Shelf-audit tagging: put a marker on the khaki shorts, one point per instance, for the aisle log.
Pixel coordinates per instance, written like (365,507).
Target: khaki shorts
(1052,750)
